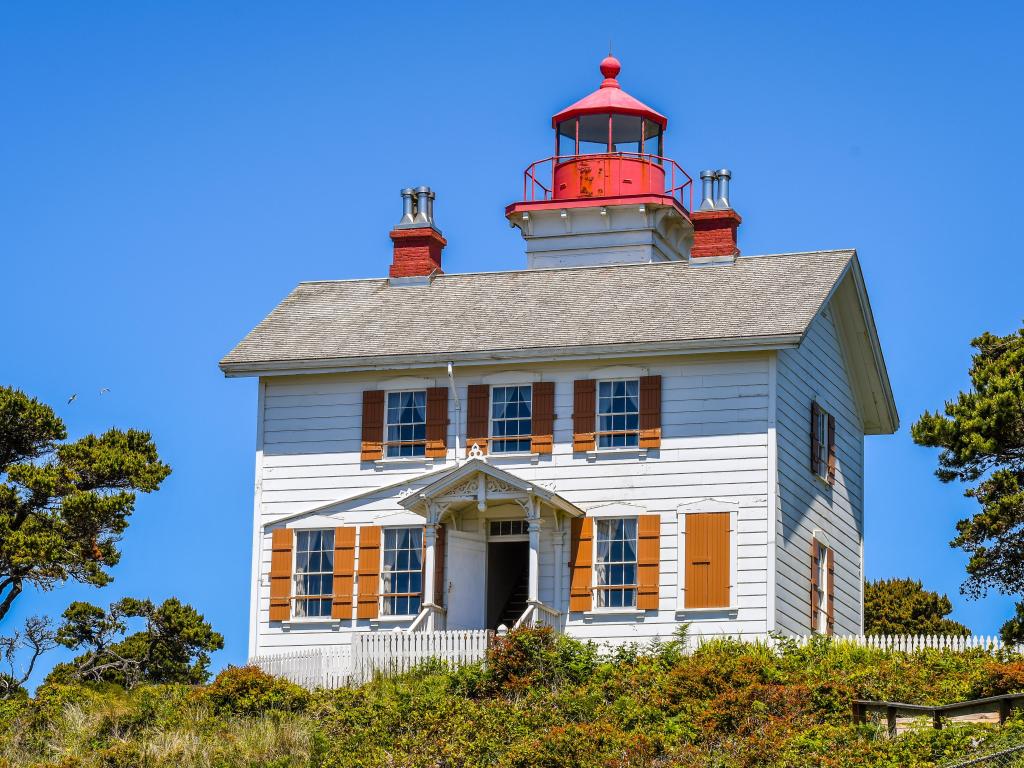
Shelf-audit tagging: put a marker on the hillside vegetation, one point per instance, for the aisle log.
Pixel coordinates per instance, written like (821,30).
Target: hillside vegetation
(540,701)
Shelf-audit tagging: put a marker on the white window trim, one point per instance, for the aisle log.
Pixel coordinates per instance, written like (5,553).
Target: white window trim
(624,450)
(731,507)
(396,617)
(520,455)
(385,460)
(613,609)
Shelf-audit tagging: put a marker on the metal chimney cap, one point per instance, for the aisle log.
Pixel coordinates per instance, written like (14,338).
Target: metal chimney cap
(422,189)
(708,174)
(407,191)
(725,172)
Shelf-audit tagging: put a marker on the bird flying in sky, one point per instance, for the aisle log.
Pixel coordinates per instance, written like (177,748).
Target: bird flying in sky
(72,398)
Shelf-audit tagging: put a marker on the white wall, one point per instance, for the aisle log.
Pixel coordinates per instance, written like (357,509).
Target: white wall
(817,371)
(714,446)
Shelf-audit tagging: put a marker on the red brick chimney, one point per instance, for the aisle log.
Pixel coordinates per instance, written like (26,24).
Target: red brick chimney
(418,242)
(715,224)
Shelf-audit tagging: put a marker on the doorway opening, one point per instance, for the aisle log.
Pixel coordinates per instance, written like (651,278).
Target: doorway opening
(508,581)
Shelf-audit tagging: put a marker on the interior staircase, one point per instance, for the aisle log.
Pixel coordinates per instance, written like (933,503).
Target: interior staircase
(517,600)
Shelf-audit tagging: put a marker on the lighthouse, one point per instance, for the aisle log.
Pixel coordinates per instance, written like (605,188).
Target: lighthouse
(609,195)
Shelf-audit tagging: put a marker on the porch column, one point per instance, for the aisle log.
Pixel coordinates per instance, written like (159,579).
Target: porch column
(429,555)
(534,526)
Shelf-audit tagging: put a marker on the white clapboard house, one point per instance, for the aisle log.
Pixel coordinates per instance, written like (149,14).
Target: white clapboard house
(640,429)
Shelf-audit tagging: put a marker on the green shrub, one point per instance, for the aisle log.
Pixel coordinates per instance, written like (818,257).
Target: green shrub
(251,691)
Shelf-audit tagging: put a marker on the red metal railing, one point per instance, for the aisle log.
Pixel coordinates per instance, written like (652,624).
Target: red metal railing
(538,178)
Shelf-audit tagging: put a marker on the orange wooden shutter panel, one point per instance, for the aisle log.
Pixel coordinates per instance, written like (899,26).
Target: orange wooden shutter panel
(831,450)
(440,542)
(369,572)
(584,407)
(648,560)
(706,578)
(650,411)
(815,439)
(543,417)
(437,422)
(478,404)
(815,565)
(373,425)
(581,558)
(280,574)
(830,595)
(344,572)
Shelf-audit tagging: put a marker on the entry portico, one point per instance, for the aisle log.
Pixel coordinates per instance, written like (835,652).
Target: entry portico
(465,510)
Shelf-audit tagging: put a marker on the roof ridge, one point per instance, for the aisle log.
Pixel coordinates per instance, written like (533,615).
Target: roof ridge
(664,264)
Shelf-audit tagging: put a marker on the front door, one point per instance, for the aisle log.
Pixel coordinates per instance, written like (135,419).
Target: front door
(467,595)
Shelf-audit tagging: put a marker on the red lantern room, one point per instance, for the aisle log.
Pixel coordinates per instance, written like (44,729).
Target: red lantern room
(608,145)
(608,194)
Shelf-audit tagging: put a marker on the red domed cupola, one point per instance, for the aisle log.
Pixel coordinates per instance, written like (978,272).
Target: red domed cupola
(609,162)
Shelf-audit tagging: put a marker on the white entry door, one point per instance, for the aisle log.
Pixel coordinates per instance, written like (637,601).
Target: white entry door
(466,580)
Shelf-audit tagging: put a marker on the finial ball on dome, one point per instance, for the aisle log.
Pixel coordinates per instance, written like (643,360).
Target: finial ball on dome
(610,67)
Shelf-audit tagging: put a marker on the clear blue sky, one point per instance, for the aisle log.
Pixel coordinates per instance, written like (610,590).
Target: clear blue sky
(169,171)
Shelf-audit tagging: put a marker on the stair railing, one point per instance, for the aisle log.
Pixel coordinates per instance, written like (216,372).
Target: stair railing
(538,614)
(423,623)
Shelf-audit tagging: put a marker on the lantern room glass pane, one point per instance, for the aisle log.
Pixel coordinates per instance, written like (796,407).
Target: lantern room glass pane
(626,133)
(567,138)
(593,134)
(652,138)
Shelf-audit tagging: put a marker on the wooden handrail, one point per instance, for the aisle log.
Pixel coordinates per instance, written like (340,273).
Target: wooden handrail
(1002,704)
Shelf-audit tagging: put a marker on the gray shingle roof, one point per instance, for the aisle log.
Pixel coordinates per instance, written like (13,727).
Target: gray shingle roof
(352,321)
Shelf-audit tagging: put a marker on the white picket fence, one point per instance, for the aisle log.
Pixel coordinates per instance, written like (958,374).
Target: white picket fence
(375,653)
(912,643)
(392,653)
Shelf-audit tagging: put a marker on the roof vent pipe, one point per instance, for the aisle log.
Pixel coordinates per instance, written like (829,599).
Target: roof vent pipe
(723,177)
(408,205)
(430,207)
(423,206)
(707,193)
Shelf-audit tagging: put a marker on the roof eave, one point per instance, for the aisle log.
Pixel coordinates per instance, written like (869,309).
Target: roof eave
(487,357)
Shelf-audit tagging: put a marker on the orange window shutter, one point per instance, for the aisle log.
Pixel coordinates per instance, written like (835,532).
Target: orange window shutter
(478,422)
(648,560)
(831,449)
(440,587)
(437,422)
(543,417)
(815,438)
(373,426)
(584,415)
(707,565)
(830,595)
(650,411)
(281,574)
(581,559)
(369,572)
(815,566)
(344,572)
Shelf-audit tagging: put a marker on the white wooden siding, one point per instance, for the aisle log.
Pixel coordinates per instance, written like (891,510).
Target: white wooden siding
(714,445)
(817,371)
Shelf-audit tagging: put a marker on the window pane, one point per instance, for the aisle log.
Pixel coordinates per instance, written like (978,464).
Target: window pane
(567,138)
(626,133)
(593,134)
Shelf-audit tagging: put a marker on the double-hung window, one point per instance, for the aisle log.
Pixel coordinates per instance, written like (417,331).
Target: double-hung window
(615,562)
(402,571)
(821,443)
(511,418)
(618,413)
(821,593)
(406,424)
(314,572)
